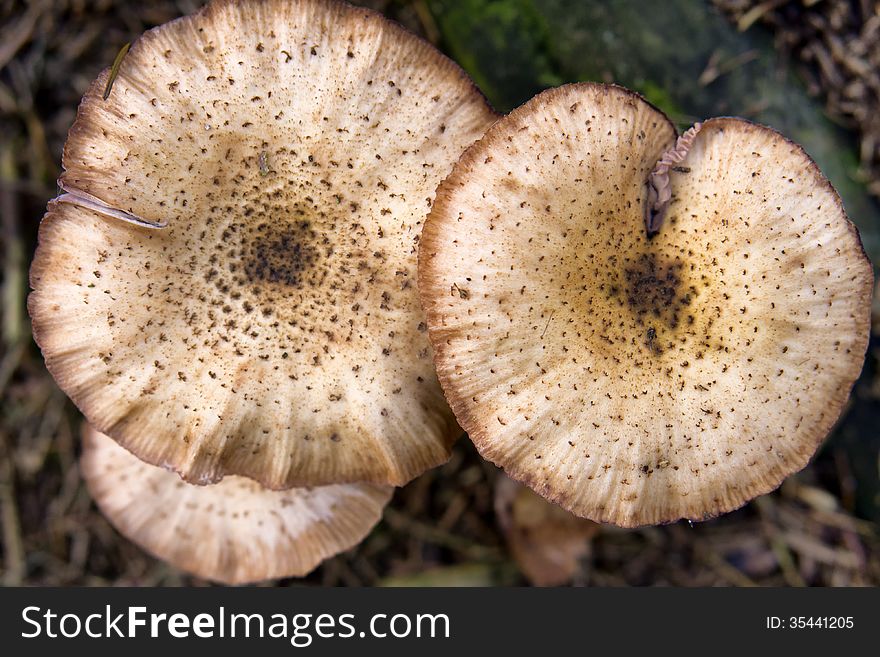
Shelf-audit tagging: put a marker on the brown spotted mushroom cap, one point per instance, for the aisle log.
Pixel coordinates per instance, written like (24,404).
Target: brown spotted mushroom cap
(272,329)
(633,380)
(234,531)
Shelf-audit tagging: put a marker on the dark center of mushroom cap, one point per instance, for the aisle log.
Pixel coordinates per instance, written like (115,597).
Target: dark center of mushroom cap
(269,255)
(287,260)
(282,252)
(654,298)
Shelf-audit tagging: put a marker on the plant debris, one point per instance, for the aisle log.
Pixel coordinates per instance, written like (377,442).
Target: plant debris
(837,43)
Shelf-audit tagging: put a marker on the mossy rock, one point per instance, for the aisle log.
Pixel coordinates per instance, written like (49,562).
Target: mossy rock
(668,52)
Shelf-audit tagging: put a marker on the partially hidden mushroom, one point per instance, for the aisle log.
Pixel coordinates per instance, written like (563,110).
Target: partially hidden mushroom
(640,328)
(227,285)
(549,545)
(234,531)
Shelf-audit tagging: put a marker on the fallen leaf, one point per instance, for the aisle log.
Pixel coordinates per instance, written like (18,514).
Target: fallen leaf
(548,543)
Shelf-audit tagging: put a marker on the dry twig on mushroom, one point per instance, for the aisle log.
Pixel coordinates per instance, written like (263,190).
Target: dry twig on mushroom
(272,329)
(639,380)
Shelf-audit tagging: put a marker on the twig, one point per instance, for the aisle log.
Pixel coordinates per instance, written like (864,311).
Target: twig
(549,319)
(114,70)
(754,14)
(715,70)
(12,301)
(778,544)
(426,18)
(9,364)
(807,545)
(13,544)
(18,34)
(431,534)
(720,565)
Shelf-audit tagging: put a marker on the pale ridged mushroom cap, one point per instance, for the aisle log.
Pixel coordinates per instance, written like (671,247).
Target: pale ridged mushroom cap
(638,381)
(234,531)
(273,328)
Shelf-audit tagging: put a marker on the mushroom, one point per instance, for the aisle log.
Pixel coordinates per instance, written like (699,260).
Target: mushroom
(234,531)
(272,327)
(633,379)
(548,544)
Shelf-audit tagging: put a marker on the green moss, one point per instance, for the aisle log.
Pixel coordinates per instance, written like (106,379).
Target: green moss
(505,45)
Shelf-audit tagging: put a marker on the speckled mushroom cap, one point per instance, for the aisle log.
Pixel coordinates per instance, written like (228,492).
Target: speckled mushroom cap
(234,531)
(638,381)
(273,328)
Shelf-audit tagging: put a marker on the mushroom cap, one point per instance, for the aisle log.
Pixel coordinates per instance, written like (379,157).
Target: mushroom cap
(638,381)
(273,328)
(234,531)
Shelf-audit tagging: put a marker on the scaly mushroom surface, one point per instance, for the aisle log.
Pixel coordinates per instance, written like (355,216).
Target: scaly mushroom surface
(234,531)
(633,379)
(272,328)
